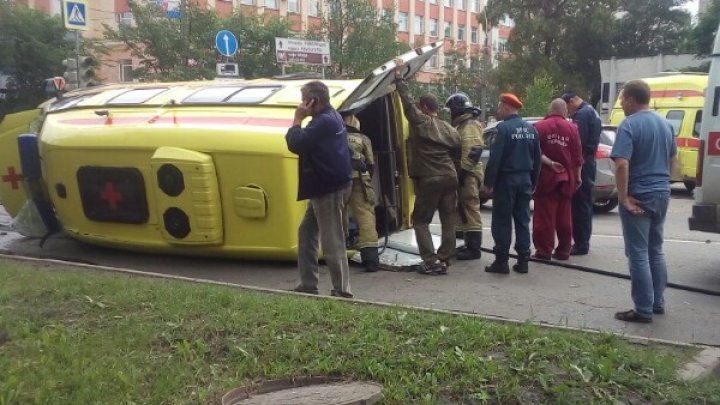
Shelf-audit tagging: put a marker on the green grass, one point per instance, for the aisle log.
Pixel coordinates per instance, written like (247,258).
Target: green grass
(82,337)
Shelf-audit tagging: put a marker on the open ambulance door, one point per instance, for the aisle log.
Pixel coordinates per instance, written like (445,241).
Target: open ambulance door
(381,119)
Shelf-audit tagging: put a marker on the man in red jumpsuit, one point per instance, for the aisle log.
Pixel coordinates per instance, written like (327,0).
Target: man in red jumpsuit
(559,179)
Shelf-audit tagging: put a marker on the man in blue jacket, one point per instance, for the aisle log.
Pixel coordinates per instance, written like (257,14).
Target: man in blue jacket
(511,174)
(589,125)
(324,179)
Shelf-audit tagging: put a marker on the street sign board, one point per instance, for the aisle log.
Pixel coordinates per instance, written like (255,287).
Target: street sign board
(75,14)
(227,69)
(300,51)
(226,43)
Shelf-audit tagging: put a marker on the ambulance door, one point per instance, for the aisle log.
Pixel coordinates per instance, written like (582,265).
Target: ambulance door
(676,117)
(706,210)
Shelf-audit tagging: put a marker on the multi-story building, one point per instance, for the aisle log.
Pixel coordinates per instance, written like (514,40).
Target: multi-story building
(419,22)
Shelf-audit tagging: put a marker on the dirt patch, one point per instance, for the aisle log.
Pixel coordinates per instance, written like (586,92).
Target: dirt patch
(4,337)
(310,390)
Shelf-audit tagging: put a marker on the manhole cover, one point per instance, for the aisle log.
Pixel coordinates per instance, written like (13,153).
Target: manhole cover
(306,391)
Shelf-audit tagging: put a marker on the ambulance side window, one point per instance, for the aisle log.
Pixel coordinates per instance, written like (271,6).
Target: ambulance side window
(675,117)
(698,121)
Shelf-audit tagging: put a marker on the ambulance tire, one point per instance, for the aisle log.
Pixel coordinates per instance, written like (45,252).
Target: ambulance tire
(689,185)
(605,206)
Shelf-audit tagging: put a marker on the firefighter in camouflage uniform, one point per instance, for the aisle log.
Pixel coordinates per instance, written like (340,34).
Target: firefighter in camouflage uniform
(469,226)
(362,198)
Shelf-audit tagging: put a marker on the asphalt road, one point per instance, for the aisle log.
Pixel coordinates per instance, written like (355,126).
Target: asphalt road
(548,294)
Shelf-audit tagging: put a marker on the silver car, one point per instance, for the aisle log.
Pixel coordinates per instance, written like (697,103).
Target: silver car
(604,191)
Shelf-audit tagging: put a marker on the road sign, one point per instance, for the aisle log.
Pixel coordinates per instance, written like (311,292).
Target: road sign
(226,43)
(75,14)
(300,51)
(227,69)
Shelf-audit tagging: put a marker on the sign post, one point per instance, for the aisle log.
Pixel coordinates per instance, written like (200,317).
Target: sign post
(227,45)
(75,18)
(302,52)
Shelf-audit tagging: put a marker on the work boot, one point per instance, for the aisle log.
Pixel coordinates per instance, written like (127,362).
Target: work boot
(370,259)
(522,264)
(471,250)
(500,265)
(459,234)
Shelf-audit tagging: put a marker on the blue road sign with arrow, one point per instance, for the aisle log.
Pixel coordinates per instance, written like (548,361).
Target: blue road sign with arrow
(226,43)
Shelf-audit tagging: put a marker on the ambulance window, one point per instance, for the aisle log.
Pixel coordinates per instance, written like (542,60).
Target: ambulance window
(65,103)
(252,95)
(698,121)
(212,95)
(675,117)
(136,96)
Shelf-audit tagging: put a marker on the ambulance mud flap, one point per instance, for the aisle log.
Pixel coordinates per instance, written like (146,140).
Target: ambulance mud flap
(32,172)
(187,197)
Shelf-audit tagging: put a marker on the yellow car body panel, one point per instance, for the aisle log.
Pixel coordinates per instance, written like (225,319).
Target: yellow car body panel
(199,168)
(12,191)
(679,98)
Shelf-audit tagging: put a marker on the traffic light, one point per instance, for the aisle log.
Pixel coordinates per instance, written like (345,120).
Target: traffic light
(86,71)
(70,74)
(79,72)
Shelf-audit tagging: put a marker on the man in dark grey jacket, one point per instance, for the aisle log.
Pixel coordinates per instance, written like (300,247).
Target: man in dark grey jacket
(325,180)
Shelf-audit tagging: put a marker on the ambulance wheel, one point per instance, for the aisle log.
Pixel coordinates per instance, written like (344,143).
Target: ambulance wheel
(689,185)
(605,206)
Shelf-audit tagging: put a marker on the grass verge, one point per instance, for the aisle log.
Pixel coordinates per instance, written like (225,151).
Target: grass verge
(82,337)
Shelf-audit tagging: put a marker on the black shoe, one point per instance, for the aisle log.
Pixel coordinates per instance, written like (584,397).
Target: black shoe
(471,250)
(459,234)
(370,259)
(468,254)
(430,268)
(521,266)
(632,316)
(341,294)
(498,267)
(659,311)
(305,290)
(578,252)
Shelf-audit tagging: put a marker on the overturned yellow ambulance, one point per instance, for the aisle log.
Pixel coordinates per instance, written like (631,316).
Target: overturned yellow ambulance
(193,168)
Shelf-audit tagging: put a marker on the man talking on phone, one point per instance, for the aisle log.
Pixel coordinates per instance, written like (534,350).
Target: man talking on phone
(325,179)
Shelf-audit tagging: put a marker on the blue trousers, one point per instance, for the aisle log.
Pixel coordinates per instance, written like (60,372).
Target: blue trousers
(511,203)
(582,206)
(643,247)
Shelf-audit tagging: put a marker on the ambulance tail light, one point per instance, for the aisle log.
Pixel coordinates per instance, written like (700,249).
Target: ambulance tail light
(603,152)
(700,161)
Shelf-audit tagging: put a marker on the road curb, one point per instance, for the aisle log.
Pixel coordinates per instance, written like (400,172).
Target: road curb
(703,365)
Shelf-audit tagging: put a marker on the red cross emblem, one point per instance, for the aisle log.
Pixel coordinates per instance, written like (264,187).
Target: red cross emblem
(12,177)
(111,196)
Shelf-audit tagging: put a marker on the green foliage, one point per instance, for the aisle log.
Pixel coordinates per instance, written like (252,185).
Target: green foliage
(648,28)
(703,35)
(477,81)
(360,38)
(256,36)
(32,47)
(538,96)
(79,337)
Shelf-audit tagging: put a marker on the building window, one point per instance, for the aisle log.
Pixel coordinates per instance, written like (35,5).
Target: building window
(461,32)
(474,6)
(433,27)
(449,62)
(474,35)
(461,4)
(402,22)
(126,70)
(447,3)
(271,4)
(448,33)
(125,18)
(293,6)
(433,1)
(248,2)
(419,25)
(313,8)
(433,63)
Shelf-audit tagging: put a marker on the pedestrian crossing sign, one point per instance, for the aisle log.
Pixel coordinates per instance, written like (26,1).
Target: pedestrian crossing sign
(75,14)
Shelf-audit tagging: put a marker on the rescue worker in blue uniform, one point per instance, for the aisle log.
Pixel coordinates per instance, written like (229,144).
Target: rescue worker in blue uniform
(511,174)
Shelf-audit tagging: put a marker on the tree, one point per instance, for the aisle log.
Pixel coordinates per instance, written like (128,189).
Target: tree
(703,35)
(360,38)
(256,35)
(648,28)
(562,39)
(538,96)
(32,47)
(475,81)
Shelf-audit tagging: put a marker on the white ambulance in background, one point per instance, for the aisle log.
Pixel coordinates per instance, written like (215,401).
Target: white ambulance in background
(706,210)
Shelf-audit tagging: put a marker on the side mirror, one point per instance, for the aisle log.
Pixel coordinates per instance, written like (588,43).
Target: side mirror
(54,87)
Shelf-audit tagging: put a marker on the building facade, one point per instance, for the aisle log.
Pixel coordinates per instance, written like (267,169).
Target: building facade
(419,22)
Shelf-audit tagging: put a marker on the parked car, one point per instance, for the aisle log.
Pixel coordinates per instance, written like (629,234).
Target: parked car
(604,191)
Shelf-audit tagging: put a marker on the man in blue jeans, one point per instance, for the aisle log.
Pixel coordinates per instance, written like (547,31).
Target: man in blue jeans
(644,153)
